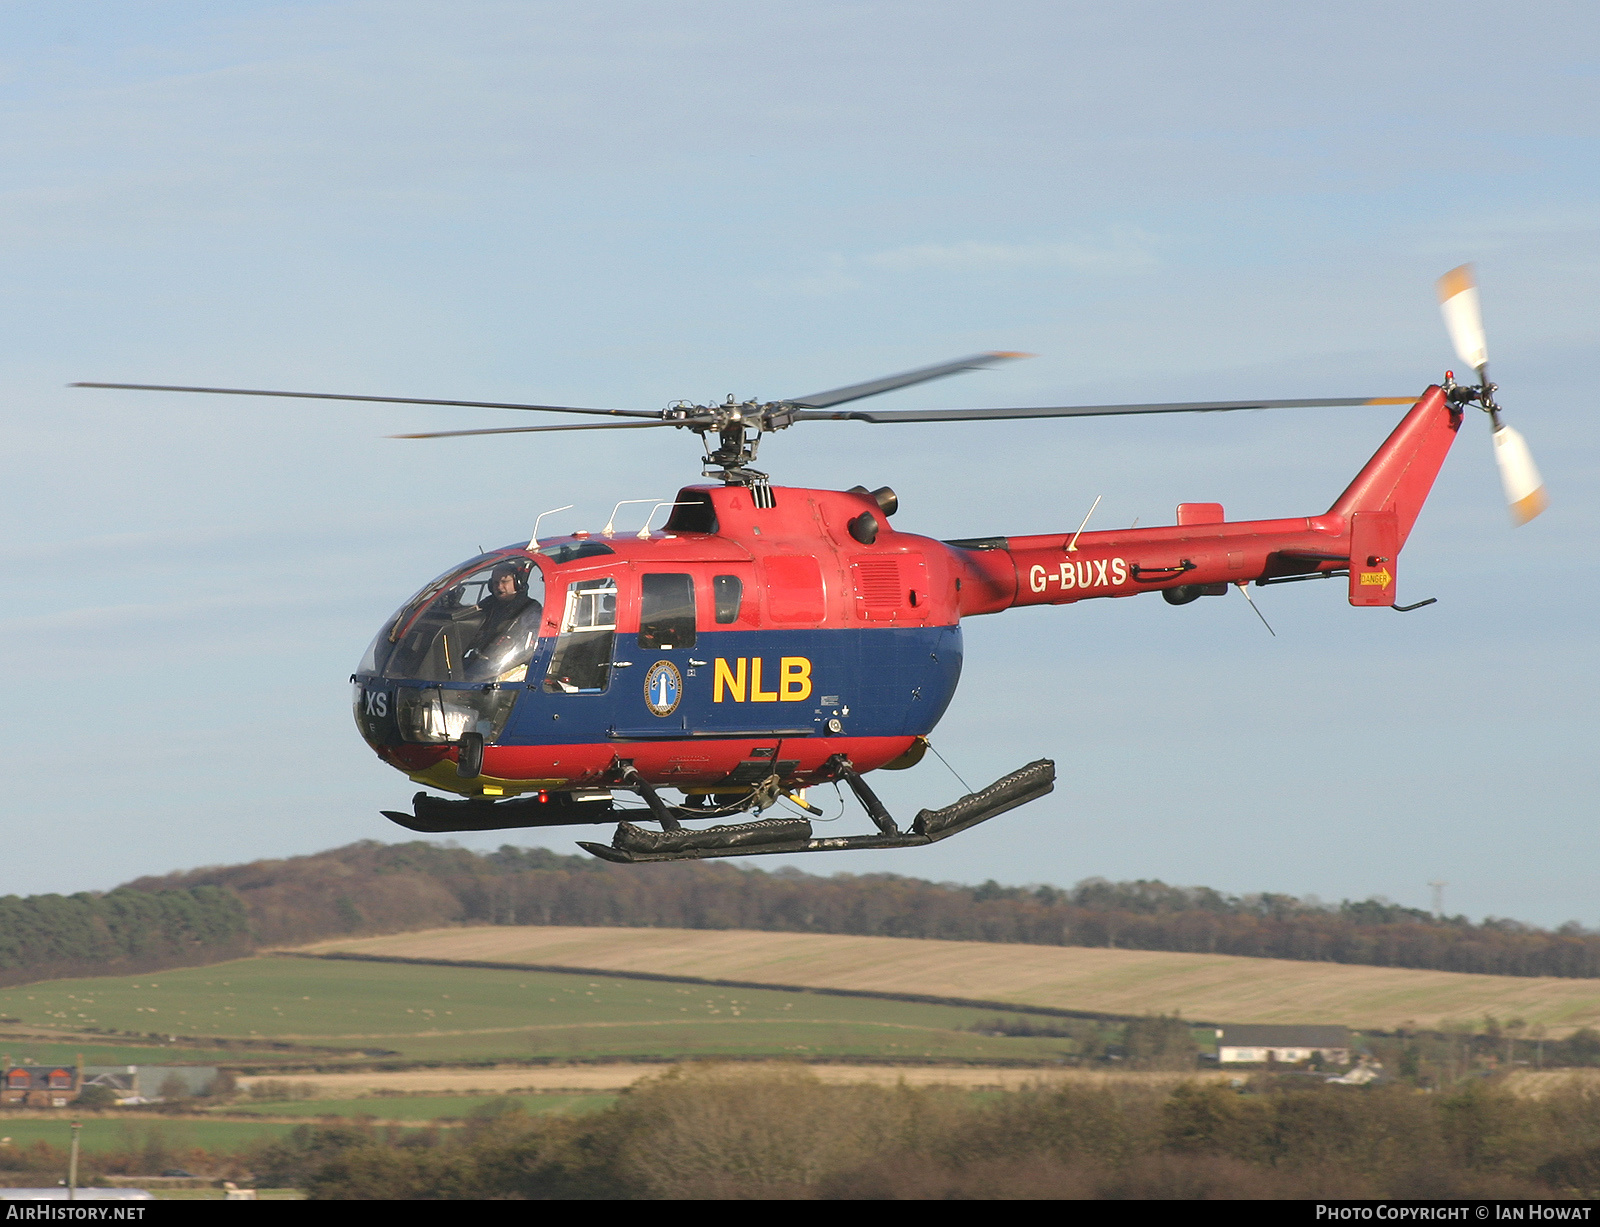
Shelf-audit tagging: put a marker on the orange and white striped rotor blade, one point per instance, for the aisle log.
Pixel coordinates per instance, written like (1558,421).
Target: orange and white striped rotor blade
(1523,486)
(1458,299)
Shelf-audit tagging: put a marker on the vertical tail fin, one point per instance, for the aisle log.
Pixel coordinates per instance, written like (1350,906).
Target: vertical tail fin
(1401,472)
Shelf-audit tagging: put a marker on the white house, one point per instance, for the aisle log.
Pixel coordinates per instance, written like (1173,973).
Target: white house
(1258,1044)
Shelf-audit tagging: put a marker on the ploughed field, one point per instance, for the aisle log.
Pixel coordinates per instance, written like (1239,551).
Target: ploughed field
(332,1011)
(1214,988)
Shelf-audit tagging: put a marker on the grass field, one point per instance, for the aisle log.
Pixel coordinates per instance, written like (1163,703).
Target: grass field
(419,1107)
(107,1133)
(468,1014)
(335,1011)
(1217,988)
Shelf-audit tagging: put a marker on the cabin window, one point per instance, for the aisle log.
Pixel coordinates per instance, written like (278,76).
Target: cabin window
(581,662)
(727,591)
(575,550)
(666,611)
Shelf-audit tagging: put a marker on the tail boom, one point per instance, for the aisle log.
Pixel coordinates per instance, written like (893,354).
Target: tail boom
(1362,533)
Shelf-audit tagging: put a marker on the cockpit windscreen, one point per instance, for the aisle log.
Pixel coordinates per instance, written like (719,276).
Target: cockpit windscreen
(480,624)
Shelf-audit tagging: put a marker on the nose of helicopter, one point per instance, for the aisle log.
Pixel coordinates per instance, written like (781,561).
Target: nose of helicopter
(451,660)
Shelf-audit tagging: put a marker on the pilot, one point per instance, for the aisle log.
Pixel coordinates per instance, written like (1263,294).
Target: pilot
(507,601)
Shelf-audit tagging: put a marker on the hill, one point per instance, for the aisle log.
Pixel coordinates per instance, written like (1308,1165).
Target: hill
(368,888)
(1217,988)
(205,915)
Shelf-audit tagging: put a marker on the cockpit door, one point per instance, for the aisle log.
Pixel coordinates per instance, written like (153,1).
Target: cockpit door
(583,658)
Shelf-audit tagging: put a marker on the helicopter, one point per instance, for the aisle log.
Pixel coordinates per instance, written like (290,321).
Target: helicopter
(767,639)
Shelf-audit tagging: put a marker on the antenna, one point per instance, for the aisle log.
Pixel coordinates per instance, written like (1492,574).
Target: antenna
(1243,587)
(1073,544)
(1438,898)
(533,541)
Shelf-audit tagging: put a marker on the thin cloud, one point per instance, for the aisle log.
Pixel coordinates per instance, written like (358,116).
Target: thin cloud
(182,614)
(1122,251)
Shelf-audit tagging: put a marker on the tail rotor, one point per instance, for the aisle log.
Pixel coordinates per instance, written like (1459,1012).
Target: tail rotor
(1463,317)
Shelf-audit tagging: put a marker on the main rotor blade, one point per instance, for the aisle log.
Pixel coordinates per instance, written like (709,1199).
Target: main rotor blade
(1458,299)
(1084,411)
(528,430)
(855,391)
(388,400)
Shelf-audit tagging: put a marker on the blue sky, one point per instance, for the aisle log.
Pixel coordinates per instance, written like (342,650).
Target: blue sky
(629,203)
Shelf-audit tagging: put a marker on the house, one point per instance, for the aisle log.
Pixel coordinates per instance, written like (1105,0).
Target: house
(38,1086)
(151,1083)
(1257,1044)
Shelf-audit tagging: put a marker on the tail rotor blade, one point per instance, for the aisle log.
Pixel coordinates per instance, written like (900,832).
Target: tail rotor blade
(1523,486)
(1458,299)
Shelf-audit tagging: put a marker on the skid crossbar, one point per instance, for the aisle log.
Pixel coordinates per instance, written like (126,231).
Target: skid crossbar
(1021,786)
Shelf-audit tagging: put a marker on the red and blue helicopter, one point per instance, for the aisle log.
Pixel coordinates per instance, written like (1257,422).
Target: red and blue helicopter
(768,639)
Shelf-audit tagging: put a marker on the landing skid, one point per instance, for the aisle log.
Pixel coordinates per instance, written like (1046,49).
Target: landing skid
(635,845)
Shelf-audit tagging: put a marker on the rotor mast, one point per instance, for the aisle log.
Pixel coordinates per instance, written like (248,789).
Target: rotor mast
(737,427)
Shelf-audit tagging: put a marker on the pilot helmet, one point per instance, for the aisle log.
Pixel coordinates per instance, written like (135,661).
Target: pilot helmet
(517,573)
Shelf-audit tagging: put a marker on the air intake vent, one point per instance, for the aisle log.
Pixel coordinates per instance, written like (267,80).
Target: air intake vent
(878,583)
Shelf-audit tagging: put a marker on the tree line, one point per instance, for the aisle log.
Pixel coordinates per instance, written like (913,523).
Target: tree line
(729,1132)
(370,887)
(205,915)
(52,936)
(776,1132)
